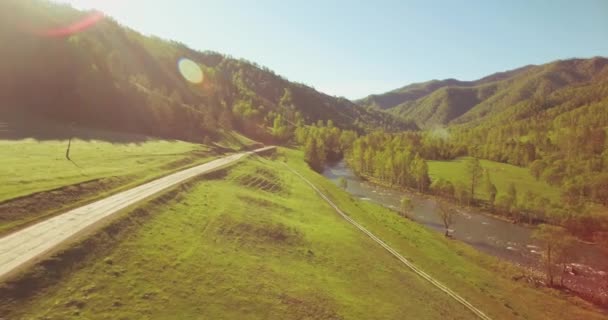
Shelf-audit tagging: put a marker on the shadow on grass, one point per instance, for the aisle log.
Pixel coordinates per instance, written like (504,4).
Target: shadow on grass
(18,127)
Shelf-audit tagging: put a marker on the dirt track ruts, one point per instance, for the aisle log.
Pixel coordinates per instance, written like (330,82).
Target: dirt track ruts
(396,254)
(25,246)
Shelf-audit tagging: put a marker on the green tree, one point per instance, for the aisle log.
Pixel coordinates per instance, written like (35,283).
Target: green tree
(443,188)
(490,188)
(280,128)
(462,194)
(505,203)
(286,100)
(311,153)
(474,172)
(512,193)
(421,172)
(537,167)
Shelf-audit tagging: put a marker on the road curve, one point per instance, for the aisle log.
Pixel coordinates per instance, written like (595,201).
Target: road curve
(24,246)
(396,254)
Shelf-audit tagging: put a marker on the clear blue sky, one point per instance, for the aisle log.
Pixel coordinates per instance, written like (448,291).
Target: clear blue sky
(354,48)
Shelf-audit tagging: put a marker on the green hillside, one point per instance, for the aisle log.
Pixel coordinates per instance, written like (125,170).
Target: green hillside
(112,77)
(259,243)
(516,92)
(551,119)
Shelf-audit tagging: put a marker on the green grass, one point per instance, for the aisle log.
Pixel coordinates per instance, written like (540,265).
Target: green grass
(29,166)
(501,175)
(99,168)
(261,244)
(236,141)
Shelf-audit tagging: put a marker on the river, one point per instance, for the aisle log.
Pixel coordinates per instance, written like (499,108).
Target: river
(486,233)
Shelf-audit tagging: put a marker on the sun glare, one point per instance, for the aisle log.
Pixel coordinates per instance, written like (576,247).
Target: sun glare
(190,70)
(75,27)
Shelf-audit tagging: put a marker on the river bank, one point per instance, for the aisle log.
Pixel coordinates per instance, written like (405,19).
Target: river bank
(500,237)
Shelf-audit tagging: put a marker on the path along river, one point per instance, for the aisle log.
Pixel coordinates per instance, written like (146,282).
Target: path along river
(491,235)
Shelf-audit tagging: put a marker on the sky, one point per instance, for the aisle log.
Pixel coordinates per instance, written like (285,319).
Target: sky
(356,48)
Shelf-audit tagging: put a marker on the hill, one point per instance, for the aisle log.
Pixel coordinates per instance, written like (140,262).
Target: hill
(84,68)
(515,92)
(551,118)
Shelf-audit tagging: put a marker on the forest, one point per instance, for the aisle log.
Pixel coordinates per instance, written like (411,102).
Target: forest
(400,160)
(550,119)
(111,77)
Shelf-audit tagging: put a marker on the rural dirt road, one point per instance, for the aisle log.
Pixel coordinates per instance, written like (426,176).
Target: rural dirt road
(27,245)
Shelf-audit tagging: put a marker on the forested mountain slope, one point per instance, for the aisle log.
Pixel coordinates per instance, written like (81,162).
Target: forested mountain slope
(552,119)
(108,76)
(518,93)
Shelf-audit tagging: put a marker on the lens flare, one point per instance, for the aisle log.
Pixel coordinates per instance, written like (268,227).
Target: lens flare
(190,70)
(76,27)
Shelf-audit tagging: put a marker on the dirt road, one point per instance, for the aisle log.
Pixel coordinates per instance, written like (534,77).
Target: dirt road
(27,245)
(392,251)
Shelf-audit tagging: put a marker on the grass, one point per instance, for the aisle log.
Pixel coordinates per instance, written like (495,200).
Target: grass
(30,166)
(41,180)
(236,141)
(501,174)
(260,244)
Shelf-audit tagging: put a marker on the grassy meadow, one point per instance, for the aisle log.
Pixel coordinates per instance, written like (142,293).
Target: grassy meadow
(501,174)
(40,181)
(30,166)
(259,243)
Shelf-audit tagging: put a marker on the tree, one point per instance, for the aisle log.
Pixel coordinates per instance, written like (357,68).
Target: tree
(504,203)
(537,167)
(461,192)
(405,206)
(474,171)
(286,100)
(528,205)
(280,129)
(311,153)
(67,151)
(557,243)
(421,172)
(225,119)
(343,183)
(443,188)
(490,188)
(512,193)
(446,215)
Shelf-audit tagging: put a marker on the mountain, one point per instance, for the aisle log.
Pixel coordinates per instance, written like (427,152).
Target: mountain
(515,92)
(81,68)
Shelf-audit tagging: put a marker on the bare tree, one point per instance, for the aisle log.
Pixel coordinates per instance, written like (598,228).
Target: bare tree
(446,215)
(558,245)
(67,151)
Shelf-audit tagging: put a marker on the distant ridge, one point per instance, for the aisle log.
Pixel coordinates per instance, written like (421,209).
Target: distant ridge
(451,101)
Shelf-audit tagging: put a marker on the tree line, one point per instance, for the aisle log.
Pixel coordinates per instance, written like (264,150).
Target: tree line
(113,78)
(399,159)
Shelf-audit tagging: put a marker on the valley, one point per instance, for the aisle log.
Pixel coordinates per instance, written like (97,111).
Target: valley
(260,219)
(145,175)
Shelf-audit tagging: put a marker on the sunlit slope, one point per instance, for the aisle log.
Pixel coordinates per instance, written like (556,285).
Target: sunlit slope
(256,242)
(505,97)
(31,166)
(108,76)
